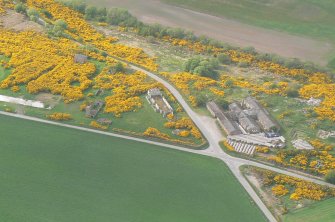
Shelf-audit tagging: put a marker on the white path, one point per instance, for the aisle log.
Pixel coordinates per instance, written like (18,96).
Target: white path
(213,150)
(32,103)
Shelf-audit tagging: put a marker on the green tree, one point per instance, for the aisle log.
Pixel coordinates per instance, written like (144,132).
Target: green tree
(20,8)
(33,14)
(224,59)
(202,66)
(59,27)
(91,12)
(119,67)
(202,99)
(229,83)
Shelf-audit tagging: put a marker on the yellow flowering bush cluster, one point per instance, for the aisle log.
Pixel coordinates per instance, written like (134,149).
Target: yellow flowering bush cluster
(229,147)
(266,87)
(262,149)
(60,116)
(126,89)
(279,190)
(153,132)
(324,91)
(97,125)
(320,145)
(297,189)
(188,83)
(78,28)
(187,125)
(44,64)
(184,81)
(5,4)
(75,21)
(318,161)
(216,91)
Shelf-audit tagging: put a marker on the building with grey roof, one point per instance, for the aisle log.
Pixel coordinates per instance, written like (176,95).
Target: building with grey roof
(263,116)
(213,108)
(248,124)
(228,125)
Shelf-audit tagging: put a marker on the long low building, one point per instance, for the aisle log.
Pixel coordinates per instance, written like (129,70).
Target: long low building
(229,126)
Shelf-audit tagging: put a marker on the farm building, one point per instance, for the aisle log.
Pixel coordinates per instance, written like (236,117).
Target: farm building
(244,118)
(158,102)
(248,123)
(80,58)
(229,126)
(263,116)
(104,121)
(93,109)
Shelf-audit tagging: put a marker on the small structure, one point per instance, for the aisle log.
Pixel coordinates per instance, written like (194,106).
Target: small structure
(176,132)
(302,145)
(99,92)
(104,121)
(93,109)
(158,102)
(326,134)
(314,102)
(80,58)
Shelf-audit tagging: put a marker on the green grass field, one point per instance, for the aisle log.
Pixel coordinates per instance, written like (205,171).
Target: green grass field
(318,212)
(313,18)
(50,173)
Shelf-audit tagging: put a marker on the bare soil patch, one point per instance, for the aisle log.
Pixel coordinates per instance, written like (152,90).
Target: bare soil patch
(49,99)
(233,32)
(18,22)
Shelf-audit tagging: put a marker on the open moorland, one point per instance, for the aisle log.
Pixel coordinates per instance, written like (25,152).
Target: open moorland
(52,173)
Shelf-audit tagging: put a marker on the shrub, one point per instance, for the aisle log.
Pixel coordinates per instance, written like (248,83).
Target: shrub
(223,58)
(20,8)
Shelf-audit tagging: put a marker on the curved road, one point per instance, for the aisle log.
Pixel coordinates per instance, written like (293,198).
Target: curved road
(213,150)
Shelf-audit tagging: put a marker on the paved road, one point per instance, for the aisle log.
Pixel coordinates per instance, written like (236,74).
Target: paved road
(213,150)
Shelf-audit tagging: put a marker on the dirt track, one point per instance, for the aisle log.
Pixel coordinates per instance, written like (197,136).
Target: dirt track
(236,33)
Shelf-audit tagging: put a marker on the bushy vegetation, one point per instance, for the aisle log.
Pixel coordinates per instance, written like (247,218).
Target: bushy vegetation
(202,67)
